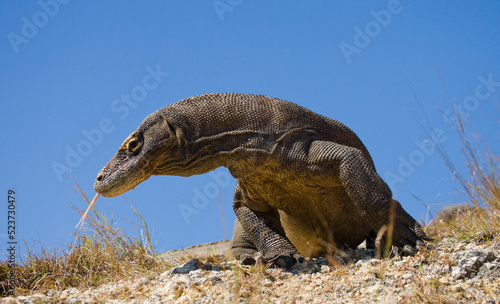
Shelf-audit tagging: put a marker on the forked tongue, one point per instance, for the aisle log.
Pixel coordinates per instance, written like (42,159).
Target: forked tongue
(88,209)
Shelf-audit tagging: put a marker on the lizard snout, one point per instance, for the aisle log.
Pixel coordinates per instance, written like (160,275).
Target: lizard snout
(100,182)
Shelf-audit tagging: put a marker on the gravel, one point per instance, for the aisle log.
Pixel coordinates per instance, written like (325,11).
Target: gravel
(452,272)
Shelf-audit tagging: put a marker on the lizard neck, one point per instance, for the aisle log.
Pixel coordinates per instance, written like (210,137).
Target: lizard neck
(239,151)
(193,148)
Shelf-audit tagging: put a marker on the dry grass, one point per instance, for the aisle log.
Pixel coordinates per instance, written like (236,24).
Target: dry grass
(480,188)
(247,282)
(98,254)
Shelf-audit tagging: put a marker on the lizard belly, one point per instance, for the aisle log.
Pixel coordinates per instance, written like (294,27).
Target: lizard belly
(322,221)
(315,211)
(314,217)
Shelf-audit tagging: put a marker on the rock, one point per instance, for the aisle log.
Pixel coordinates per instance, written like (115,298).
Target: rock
(206,266)
(267,283)
(183,300)
(490,270)
(214,278)
(68,292)
(25,300)
(325,269)
(374,288)
(456,288)
(183,278)
(9,300)
(51,293)
(217,268)
(474,277)
(458,272)
(142,281)
(39,298)
(469,262)
(192,265)
(306,267)
(173,288)
(198,277)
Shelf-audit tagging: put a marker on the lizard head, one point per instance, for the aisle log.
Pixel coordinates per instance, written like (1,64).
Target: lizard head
(138,157)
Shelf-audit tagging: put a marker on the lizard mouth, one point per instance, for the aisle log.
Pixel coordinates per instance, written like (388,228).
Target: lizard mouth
(112,183)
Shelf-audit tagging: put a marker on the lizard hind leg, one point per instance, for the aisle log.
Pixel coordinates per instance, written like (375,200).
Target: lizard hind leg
(370,196)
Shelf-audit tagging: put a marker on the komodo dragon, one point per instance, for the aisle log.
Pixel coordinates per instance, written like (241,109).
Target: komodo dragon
(305,182)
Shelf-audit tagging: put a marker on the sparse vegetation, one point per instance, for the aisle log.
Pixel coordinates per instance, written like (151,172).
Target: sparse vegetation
(98,254)
(103,255)
(481,190)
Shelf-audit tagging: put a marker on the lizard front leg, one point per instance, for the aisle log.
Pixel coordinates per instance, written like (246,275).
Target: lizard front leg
(264,230)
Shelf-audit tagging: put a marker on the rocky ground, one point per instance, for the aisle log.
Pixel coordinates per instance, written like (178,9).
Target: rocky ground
(453,272)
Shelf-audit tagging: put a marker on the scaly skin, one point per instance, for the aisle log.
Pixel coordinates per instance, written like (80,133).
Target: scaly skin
(305,183)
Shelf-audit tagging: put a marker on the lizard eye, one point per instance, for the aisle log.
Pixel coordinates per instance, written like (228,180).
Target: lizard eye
(134,145)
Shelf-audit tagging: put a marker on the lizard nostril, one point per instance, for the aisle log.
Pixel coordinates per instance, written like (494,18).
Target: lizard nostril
(100,177)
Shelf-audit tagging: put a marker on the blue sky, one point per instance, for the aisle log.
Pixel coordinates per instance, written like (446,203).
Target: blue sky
(77,77)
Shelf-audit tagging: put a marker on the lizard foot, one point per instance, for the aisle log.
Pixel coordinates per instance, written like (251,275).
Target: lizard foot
(285,260)
(408,236)
(248,260)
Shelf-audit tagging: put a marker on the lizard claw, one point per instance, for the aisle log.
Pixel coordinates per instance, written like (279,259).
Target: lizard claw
(426,238)
(409,250)
(408,236)
(248,260)
(299,258)
(285,261)
(420,233)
